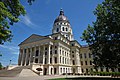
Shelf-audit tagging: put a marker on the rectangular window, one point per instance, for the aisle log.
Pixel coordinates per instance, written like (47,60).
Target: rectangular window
(90,62)
(55,51)
(55,47)
(45,48)
(51,47)
(45,53)
(37,52)
(101,69)
(55,59)
(82,70)
(73,55)
(80,55)
(63,70)
(45,61)
(60,59)
(85,55)
(89,55)
(57,30)
(63,60)
(50,60)
(36,60)
(25,51)
(73,62)
(85,62)
(81,62)
(60,51)
(50,52)
(107,69)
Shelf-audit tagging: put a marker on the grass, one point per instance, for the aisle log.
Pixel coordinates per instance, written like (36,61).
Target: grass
(58,79)
(86,78)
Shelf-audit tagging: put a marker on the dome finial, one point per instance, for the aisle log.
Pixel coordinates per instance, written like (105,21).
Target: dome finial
(61,12)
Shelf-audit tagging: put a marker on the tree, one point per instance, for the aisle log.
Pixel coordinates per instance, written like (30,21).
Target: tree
(0,66)
(103,37)
(30,1)
(10,10)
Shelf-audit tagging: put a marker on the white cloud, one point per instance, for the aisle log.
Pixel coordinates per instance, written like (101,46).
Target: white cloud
(12,49)
(27,21)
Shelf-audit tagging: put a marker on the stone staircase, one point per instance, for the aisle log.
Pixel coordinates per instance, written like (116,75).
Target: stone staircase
(15,72)
(27,72)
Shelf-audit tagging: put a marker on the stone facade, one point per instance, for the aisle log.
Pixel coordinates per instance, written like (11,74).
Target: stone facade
(56,53)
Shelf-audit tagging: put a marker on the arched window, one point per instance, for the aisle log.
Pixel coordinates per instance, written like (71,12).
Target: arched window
(66,29)
(63,28)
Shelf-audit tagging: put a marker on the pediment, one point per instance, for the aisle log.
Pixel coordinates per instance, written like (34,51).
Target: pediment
(33,38)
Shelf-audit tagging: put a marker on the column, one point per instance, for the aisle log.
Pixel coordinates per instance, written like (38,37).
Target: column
(53,56)
(23,55)
(30,58)
(43,54)
(48,54)
(19,60)
(58,55)
(26,57)
(39,57)
(34,54)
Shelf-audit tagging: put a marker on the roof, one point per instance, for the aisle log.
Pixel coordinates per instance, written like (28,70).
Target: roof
(61,17)
(33,38)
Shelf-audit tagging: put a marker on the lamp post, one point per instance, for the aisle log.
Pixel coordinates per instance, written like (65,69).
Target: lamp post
(40,67)
(10,62)
(33,59)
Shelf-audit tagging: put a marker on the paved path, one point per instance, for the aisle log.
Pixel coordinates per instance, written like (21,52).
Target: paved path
(44,77)
(10,73)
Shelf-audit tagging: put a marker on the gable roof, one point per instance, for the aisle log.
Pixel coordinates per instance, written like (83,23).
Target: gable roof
(33,38)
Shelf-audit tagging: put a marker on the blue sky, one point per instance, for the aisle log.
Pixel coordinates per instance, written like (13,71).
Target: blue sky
(39,20)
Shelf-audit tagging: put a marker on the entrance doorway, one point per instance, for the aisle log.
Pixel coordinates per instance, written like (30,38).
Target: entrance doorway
(45,71)
(55,70)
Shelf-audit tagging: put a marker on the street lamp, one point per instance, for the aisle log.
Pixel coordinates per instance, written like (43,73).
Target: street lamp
(33,59)
(40,68)
(10,62)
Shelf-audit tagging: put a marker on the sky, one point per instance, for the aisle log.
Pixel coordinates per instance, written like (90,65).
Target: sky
(40,18)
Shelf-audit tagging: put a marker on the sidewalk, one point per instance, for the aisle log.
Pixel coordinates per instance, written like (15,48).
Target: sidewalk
(45,77)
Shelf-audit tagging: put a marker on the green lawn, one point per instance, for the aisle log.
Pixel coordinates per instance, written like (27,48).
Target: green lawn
(58,79)
(86,78)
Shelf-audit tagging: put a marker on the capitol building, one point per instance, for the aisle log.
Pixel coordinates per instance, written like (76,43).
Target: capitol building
(56,53)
